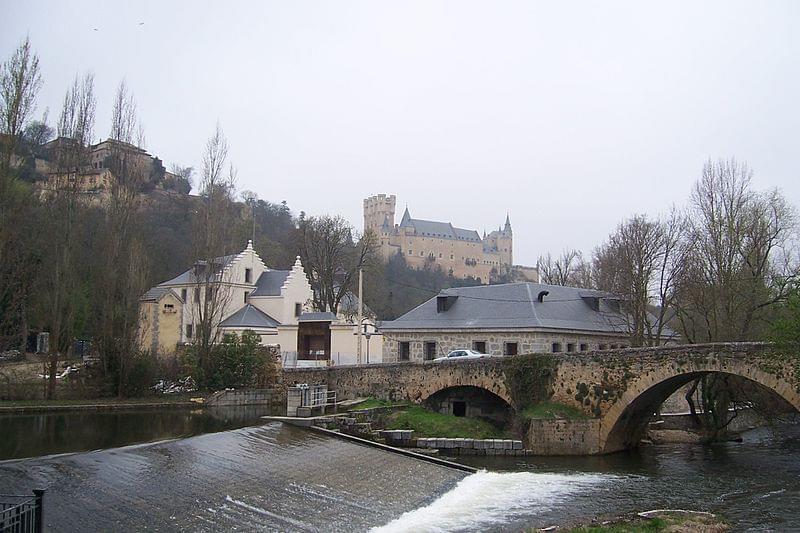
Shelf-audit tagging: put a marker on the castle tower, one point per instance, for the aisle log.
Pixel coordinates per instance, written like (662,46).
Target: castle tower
(379,210)
(505,244)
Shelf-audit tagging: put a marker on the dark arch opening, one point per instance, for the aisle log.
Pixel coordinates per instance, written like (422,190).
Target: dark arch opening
(632,425)
(471,402)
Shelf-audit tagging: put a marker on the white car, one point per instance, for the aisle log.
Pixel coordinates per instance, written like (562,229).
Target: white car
(461,354)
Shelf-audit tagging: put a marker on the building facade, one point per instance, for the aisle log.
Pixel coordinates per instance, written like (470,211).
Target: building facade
(249,296)
(459,251)
(508,319)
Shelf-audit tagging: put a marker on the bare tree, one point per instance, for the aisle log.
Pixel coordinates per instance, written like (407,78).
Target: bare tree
(569,269)
(76,120)
(214,242)
(120,278)
(20,82)
(333,255)
(740,263)
(184,178)
(639,263)
(125,125)
(63,203)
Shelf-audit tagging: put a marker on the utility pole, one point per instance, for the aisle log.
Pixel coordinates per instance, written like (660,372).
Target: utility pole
(360,314)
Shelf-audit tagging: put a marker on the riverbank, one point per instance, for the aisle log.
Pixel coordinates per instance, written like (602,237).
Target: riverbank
(102,404)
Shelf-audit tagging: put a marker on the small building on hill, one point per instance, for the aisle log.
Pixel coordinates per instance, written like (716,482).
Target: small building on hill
(275,304)
(508,319)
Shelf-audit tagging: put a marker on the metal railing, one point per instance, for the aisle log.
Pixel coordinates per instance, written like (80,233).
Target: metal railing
(22,514)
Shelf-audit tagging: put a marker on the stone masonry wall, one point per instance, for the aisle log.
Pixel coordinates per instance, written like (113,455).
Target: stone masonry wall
(527,342)
(563,437)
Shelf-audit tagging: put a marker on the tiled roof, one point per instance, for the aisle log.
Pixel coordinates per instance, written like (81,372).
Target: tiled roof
(189,277)
(156,293)
(317,317)
(430,228)
(269,283)
(517,305)
(249,316)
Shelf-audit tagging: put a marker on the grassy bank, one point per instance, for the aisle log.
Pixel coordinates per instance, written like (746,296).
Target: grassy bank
(374,403)
(431,424)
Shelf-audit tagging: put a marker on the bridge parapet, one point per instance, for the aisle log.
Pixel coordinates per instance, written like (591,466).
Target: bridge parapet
(620,389)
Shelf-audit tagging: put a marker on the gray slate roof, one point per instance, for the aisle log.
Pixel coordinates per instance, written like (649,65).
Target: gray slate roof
(430,228)
(249,316)
(156,293)
(515,306)
(189,277)
(269,283)
(317,317)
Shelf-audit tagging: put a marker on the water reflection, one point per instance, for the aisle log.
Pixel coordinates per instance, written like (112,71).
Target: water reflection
(32,435)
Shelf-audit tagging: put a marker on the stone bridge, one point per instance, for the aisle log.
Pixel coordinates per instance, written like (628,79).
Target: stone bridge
(618,390)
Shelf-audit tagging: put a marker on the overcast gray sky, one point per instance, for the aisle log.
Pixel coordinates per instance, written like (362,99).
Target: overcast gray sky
(568,115)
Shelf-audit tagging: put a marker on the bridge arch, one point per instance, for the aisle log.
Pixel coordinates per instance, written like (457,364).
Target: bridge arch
(441,376)
(624,424)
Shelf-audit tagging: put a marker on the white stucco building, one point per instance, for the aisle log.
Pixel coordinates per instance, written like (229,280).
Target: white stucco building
(275,304)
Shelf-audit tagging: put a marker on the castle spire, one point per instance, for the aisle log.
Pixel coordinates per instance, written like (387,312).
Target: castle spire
(406,218)
(507,228)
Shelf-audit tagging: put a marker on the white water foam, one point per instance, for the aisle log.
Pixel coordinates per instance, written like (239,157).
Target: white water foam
(492,498)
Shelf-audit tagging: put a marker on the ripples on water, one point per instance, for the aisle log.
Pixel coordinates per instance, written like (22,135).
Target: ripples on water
(268,478)
(276,478)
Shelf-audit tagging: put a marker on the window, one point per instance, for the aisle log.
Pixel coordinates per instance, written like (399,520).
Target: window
(404,351)
(298,309)
(410,251)
(584,346)
(601,347)
(430,351)
(510,348)
(613,346)
(169,308)
(209,293)
(479,346)
(184,294)
(248,275)
(246,296)
(197,295)
(556,347)
(189,331)
(570,346)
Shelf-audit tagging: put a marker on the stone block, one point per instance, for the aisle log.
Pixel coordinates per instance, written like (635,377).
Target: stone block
(468,443)
(478,444)
(517,445)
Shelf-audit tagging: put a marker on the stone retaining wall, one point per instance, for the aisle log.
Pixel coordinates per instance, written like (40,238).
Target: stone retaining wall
(473,446)
(246,397)
(563,437)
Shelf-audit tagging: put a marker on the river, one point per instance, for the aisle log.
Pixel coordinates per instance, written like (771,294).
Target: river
(273,477)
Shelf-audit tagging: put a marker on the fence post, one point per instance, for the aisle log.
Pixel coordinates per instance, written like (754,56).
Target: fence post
(38,524)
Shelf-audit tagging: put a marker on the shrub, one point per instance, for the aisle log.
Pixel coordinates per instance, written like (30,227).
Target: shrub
(236,362)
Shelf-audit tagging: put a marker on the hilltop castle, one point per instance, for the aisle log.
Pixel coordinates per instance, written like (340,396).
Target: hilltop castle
(460,251)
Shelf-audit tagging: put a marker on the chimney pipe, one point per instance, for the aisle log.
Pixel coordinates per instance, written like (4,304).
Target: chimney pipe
(542,294)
